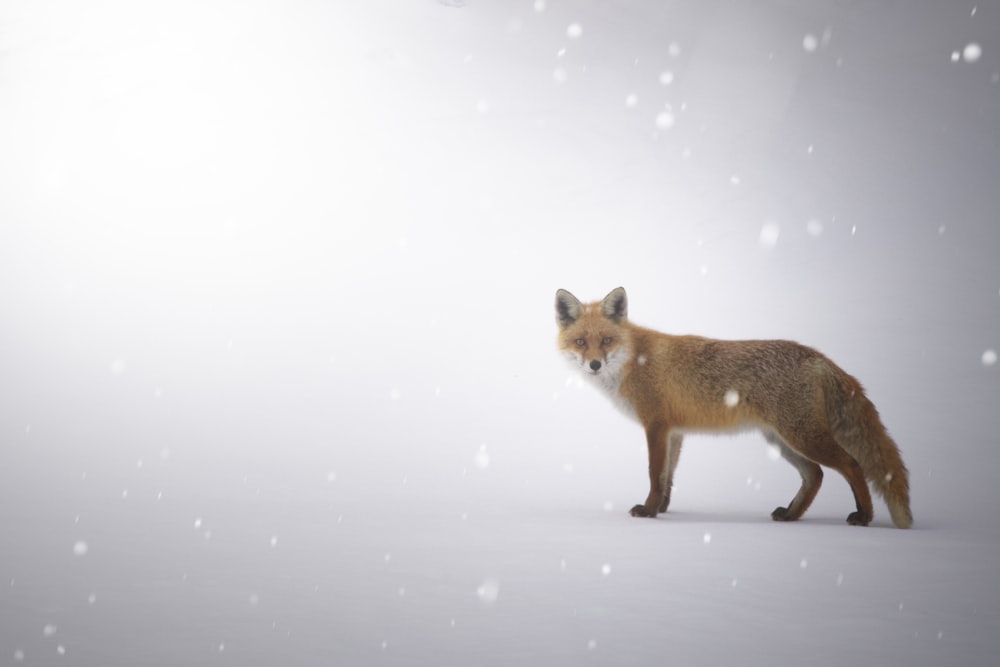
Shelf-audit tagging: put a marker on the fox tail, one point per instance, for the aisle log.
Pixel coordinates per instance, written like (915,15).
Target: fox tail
(858,428)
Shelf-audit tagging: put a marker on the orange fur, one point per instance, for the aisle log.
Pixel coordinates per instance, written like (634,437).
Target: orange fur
(814,412)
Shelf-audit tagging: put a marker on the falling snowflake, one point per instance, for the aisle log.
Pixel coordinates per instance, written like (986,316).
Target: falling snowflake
(972,52)
(769,233)
(482,458)
(574,31)
(989,357)
(488,591)
(665,120)
(732,398)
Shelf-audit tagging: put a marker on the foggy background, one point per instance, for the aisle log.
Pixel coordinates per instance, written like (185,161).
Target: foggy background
(276,304)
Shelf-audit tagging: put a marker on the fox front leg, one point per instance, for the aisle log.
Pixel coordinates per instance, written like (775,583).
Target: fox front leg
(657,500)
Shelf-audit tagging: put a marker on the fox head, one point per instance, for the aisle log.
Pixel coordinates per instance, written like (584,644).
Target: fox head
(593,336)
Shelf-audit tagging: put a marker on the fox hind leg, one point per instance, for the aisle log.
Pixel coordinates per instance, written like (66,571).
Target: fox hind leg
(824,450)
(812,479)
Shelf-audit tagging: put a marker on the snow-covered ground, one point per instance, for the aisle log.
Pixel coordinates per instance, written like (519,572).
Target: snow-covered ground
(277,372)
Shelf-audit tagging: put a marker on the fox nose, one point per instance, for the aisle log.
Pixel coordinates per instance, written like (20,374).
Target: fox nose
(595,365)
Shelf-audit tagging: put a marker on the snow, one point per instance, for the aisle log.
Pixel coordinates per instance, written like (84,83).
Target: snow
(769,233)
(814,227)
(731,398)
(270,276)
(972,52)
(665,120)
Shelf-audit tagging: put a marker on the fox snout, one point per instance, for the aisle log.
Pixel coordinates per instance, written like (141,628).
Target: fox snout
(595,366)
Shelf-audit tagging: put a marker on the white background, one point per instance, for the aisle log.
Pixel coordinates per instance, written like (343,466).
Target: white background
(278,382)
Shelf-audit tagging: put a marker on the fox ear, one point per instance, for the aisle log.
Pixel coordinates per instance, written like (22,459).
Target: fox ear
(615,305)
(568,308)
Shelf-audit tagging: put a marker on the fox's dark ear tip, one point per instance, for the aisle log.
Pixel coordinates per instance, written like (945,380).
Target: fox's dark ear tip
(562,294)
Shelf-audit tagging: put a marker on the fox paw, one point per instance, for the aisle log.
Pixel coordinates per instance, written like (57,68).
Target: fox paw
(640,510)
(782,514)
(858,519)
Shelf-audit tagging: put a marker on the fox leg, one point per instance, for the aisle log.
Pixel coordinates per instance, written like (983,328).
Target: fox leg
(656,441)
(674,441)
(812,479)
(825,450)
(862,496)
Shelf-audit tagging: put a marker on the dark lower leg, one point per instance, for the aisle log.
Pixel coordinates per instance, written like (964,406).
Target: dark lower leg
(656,441)
(862,496)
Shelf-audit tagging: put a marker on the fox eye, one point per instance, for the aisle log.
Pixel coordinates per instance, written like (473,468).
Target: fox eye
(606,340)
(581,342)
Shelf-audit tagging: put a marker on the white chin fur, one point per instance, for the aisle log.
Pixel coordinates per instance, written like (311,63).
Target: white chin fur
(608,378)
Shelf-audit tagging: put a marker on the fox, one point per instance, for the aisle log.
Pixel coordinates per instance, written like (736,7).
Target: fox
(803,404)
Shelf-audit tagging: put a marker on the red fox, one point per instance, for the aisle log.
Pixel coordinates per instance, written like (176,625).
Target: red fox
(814,412)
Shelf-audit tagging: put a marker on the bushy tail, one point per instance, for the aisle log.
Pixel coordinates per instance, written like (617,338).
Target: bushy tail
(859,430)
